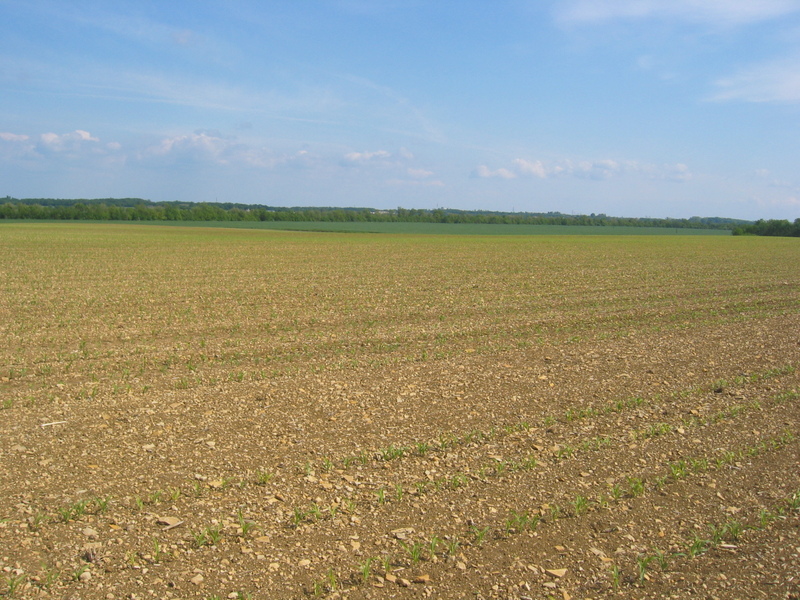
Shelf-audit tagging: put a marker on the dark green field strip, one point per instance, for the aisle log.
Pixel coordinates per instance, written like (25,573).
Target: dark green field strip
(402,228)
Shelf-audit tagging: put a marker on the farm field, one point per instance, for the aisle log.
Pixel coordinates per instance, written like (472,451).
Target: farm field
(426,228)
(236,413)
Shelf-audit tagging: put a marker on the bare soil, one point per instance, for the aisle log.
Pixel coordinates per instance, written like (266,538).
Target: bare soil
(629,438)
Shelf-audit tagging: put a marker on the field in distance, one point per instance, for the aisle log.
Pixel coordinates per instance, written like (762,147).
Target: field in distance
(444,228)
(237,413)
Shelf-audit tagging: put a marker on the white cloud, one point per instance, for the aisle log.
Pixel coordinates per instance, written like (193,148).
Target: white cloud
(419,173)
(483,172)
(712,12)
(773,81)
(602,169)
(364,157)
(68,142)
(212,148)
(416,183)
(13,137)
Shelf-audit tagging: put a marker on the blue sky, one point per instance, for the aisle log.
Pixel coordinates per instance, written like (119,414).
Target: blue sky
(662,108)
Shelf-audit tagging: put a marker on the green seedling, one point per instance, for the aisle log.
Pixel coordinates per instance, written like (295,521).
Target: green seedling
(264,477)
(366,569)
(478,534)
(580,504)
(414,551)
(636,486)
(245,525)
(452,545)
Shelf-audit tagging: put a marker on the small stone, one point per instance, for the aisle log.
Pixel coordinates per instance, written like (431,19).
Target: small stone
(557,572)
(422,579)
(90,533)
(461,565)
(390,578)
(402,533)
(197,579)
(169,522)
(85,576)
(404,582)
(233,595)
(304,563)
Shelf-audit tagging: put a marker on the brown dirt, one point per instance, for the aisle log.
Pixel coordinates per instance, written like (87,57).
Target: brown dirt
(643,445)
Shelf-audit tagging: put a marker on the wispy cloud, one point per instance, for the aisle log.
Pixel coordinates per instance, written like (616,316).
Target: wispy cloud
(711,12)
(773,81)
(484,172)
(599,170)
(214,149)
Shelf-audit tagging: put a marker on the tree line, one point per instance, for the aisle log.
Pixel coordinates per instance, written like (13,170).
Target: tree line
(778,227)
(137,209)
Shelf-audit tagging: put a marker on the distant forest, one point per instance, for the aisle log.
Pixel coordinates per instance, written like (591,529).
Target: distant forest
(772,227)
(137,209)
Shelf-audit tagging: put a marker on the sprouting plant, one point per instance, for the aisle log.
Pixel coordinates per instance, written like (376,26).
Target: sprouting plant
(478,534)
(452,545)
(245,525)
(315,512)
(298,516)
(398,492)
(734,530)
(794,501)
(718,533)
(327,464)
(565,452)
(138,502)
(200,538)
(386,562)
(76,574)
(765,517)
(615,577)
(392,452)
(12,584)
(421,486)
(636,486)
(616,492)
(36,520)
(333,581)
(49,577)
(641,564)
(155,497)
(581,504)
(458,480)
(264,477)
(381,493)
(414,551)
(555,512)
(174,493)
(366,569)
(158,553)
(433,545)
(697,547)
(661,558)
(214,533)
(422,448)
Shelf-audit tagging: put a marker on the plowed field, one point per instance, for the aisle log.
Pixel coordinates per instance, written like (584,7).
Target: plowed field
(208,413)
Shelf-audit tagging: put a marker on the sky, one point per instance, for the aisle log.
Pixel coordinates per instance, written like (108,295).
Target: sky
(633,108)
